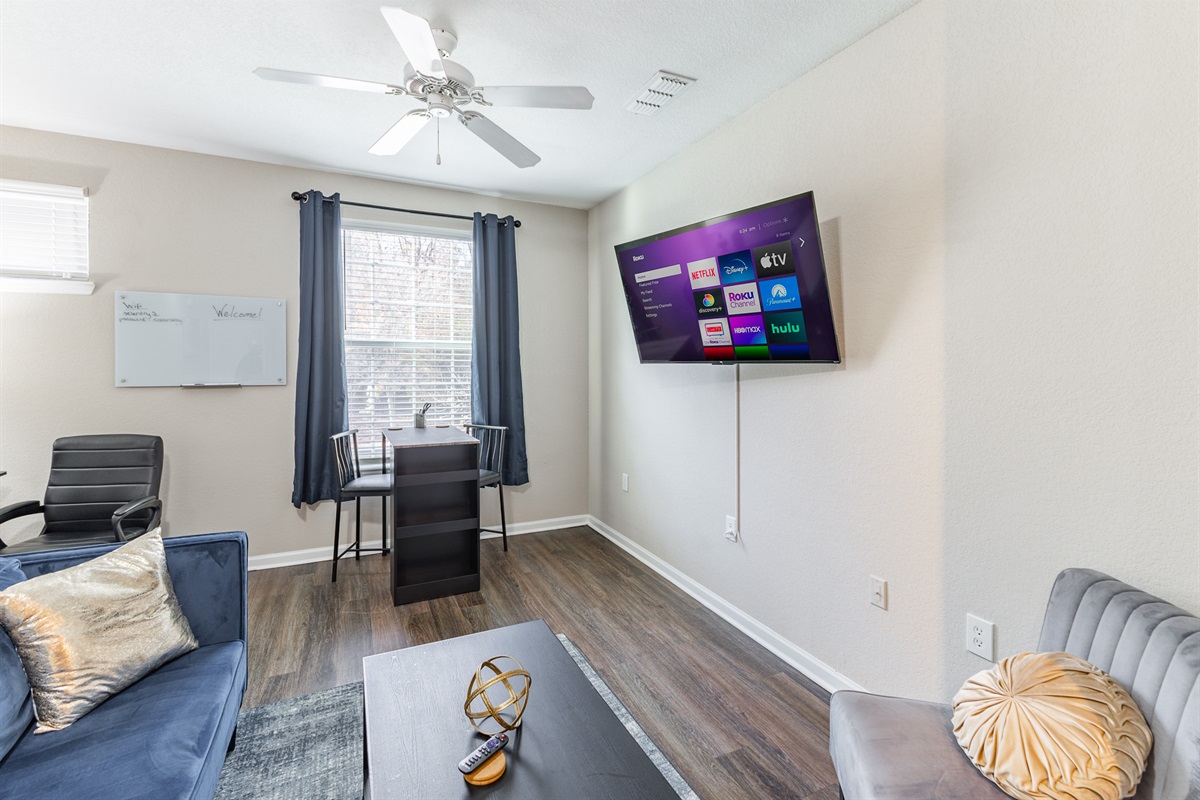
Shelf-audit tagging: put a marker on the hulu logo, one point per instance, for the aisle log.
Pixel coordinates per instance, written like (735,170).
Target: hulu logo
(786,327)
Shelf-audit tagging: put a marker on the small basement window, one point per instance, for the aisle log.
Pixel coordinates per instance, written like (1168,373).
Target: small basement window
(43,238)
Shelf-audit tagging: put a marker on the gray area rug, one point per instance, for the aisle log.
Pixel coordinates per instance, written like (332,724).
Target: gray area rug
(306,747)
(311,747)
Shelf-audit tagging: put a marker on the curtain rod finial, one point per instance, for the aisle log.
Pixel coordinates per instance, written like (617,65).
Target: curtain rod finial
(300,197)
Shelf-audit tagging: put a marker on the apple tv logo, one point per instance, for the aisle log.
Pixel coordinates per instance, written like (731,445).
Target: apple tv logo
(774,259)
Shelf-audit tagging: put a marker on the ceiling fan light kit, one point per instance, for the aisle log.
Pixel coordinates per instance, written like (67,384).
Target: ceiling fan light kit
(446,88)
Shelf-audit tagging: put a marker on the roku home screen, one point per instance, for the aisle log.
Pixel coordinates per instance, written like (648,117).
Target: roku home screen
(748,287)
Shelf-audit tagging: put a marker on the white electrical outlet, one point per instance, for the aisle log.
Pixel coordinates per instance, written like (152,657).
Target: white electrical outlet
(731,530)
(981,637)
(879,592)
(624,482)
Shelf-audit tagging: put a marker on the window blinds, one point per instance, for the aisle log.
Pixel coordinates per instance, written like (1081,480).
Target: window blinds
(43,230)
(408,329)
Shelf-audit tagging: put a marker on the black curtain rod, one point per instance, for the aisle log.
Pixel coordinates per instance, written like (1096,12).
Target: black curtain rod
(302,197)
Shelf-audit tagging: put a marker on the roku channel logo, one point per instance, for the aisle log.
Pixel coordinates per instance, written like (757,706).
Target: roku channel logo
(742,298)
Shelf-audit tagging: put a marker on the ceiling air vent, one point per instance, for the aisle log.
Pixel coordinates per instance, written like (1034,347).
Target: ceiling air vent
(657,92)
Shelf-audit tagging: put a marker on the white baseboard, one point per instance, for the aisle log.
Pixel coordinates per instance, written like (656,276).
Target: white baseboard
(315,554)
(803,661)
(539,525)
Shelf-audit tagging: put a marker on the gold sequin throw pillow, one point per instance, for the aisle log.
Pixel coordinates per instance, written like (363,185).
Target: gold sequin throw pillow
(86,632)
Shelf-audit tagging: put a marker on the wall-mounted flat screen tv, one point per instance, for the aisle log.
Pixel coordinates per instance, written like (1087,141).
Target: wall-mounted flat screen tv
(747,286)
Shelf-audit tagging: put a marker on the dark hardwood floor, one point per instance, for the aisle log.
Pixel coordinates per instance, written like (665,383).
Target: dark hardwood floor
(735,720)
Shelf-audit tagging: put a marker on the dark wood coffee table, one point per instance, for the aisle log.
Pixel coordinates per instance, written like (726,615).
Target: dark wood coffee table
(570,744)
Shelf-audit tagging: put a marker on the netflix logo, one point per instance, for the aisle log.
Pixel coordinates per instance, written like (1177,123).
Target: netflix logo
(703,273)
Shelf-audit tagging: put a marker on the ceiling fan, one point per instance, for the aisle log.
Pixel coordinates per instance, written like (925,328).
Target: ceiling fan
(445,87)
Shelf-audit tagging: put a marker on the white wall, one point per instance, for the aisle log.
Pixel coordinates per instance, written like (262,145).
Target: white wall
(163,220)
(1008,200)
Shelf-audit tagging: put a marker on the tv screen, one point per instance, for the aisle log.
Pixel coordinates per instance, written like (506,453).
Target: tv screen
(748,286)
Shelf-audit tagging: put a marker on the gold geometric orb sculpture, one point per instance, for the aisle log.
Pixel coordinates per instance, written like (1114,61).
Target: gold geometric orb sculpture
(497,700)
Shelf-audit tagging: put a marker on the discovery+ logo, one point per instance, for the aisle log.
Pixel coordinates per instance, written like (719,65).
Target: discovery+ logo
(709,303)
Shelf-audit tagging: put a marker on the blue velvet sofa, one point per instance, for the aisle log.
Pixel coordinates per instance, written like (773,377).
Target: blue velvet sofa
(164,737)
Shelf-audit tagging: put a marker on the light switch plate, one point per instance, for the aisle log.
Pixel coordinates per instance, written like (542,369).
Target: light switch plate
(879,592)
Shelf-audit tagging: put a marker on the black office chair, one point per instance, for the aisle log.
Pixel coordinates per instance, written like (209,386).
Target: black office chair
(355,486)
(491,463)
(102,488)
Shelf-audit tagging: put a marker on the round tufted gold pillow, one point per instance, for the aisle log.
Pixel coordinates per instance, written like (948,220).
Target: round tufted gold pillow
(1050,726)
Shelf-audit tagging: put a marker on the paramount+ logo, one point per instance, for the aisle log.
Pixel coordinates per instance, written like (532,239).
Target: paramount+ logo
(742,299)
(780,294)
(786,327)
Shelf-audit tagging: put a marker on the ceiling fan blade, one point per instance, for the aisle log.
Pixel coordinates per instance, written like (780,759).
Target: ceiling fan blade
(328,81)
(400,134)
(538,96)
(500,141)
(416,40)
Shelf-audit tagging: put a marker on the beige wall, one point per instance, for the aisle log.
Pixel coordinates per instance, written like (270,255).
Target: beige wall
(163,220)
(1008,201)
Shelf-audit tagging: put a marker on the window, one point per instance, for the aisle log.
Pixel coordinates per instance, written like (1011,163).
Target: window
(408,328)
(43,237)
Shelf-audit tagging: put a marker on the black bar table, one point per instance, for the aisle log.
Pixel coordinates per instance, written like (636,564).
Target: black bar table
(435,504)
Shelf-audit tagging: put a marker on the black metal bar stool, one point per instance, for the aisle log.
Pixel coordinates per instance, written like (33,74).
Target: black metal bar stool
(491,464)
(356,486)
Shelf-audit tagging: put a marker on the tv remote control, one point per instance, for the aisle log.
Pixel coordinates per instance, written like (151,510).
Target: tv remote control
(482,753)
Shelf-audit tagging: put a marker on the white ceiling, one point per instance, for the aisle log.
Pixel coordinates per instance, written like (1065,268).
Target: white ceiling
(179,75)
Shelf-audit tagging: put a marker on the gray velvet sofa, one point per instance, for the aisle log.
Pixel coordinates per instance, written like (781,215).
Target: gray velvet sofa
(889,748)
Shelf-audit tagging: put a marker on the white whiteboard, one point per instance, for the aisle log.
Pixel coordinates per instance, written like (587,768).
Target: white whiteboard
(198,339)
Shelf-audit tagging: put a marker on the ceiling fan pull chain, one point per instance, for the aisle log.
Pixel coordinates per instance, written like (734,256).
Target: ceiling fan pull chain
(439,142)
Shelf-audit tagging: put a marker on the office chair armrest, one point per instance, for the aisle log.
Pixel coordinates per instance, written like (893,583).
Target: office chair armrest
(22,509)
(137,505)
